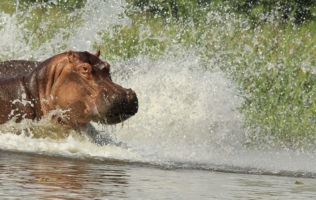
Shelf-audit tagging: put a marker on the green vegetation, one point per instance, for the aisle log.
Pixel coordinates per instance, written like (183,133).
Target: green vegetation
(277,74)
(64,4)
(267,47)
(298,11)
(43,19)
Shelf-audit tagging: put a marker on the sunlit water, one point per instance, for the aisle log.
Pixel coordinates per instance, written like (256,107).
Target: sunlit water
(185,142)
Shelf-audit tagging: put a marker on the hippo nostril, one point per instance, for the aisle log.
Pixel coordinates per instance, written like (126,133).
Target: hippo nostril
(130,95)
(131,105)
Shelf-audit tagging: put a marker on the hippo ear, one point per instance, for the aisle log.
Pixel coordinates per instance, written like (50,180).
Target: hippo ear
(71,56)
(97,54)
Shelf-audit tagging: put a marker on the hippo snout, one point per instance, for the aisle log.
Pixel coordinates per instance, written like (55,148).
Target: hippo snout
(131,104)
(115,107)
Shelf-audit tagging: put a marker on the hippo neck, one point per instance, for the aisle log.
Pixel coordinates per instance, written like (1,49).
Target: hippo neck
(36,83)
(31,88)
(16,102)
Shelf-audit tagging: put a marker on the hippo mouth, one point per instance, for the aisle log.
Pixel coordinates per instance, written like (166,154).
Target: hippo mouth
(118,115)
(116,111)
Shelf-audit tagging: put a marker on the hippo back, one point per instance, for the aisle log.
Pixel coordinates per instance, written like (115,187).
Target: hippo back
(14,68)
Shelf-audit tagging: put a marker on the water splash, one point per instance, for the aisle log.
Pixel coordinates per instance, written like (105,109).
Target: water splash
(185,111)
(77,30)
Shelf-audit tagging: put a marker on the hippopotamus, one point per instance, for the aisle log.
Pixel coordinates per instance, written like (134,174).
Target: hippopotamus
(78,84)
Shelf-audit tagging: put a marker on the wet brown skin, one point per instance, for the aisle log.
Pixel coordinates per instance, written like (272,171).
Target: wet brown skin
(78,83)
(14,68)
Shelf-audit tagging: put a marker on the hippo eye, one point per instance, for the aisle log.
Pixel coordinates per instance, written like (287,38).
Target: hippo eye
(85,69)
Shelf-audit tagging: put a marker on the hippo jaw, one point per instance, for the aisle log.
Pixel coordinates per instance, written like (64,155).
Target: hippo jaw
(116,108)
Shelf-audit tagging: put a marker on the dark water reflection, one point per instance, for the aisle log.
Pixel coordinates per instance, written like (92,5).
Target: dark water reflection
(42,177)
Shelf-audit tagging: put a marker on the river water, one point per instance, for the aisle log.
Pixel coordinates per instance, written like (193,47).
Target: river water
(186,141)
(28,176)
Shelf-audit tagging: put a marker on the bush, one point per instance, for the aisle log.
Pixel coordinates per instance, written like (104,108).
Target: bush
(169,8)
(297,10)
(69,4)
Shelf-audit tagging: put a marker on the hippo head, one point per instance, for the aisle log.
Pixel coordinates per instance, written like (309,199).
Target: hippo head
(80,84)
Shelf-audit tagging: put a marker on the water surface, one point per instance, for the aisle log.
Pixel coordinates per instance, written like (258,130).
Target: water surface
(29,176)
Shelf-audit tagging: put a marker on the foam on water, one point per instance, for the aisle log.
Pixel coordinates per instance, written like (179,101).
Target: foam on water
(188,116)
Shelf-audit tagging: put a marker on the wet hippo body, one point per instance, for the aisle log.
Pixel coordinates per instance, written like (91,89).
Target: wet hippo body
(77,83)
(15,68)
